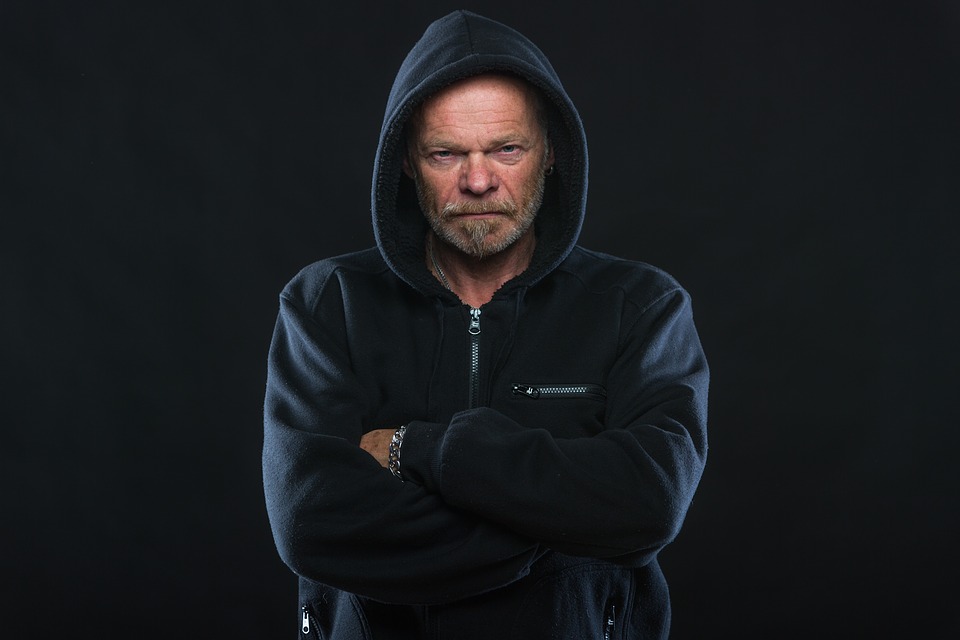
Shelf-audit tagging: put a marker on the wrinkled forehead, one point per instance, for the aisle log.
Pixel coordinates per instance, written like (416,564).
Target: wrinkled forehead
(506,83)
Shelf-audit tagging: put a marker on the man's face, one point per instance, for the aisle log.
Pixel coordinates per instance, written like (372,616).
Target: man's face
(478,154)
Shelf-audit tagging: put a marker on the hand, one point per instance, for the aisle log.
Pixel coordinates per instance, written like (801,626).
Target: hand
(377,444)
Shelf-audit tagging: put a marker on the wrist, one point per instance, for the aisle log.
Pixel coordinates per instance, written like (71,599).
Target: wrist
(393,452)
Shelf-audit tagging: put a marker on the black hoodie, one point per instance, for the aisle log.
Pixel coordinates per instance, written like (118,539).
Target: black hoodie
(555,437)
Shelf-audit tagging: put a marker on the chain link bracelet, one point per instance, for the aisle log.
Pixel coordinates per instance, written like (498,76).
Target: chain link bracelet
(393,451)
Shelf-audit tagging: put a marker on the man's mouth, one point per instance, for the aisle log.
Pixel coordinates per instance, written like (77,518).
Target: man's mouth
(479,215)
(477,211)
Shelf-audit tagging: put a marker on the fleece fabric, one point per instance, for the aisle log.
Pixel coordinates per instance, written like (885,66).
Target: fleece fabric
(555,436)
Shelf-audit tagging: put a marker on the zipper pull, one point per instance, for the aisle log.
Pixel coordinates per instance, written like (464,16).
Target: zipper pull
(474,329)
(306,621)
(526,390)
(608,630)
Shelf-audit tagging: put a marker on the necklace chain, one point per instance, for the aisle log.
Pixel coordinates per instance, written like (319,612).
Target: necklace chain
(436,266)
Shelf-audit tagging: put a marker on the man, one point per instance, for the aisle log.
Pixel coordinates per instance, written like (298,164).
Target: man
(479,429)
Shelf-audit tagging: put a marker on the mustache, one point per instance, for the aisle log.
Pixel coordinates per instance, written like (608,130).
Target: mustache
(453,209)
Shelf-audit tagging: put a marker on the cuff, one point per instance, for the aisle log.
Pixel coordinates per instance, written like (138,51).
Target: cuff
(420,455)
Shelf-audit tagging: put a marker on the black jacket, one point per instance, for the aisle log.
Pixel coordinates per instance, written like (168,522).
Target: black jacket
(549,456)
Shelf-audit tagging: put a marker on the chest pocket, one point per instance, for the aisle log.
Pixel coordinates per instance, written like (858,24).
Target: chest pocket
(568,410)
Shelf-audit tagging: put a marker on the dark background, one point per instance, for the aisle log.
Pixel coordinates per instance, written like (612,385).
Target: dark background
(166,167)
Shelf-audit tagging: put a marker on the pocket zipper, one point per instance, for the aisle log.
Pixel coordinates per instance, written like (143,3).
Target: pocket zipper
(558,390)
(609,622)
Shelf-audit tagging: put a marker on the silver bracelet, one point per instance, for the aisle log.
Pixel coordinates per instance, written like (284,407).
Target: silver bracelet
(393,451)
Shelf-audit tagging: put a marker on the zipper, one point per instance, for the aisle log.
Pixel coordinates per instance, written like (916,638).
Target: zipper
(474,331)
(558,390)
(609,622)
(306,622)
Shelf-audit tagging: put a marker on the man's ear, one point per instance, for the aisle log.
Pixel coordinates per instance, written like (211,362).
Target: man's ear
(407,169)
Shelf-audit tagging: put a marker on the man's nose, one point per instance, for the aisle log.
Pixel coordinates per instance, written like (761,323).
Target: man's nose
(478,175)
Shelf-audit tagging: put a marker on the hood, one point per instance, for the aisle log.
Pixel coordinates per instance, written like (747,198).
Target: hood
(457,46)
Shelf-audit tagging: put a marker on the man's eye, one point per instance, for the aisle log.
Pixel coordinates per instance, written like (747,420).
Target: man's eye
(509,148)
(442,154)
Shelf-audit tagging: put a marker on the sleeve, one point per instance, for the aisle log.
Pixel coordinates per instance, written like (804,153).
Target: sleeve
(621,495)
(336,515)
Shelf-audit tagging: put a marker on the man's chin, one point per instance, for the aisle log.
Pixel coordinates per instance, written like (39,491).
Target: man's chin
(481,238)
(489,246)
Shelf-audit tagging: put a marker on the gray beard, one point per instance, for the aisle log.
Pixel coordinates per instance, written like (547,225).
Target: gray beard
(474,243)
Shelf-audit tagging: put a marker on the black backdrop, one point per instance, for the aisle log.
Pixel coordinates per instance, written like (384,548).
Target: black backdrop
(166,167)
